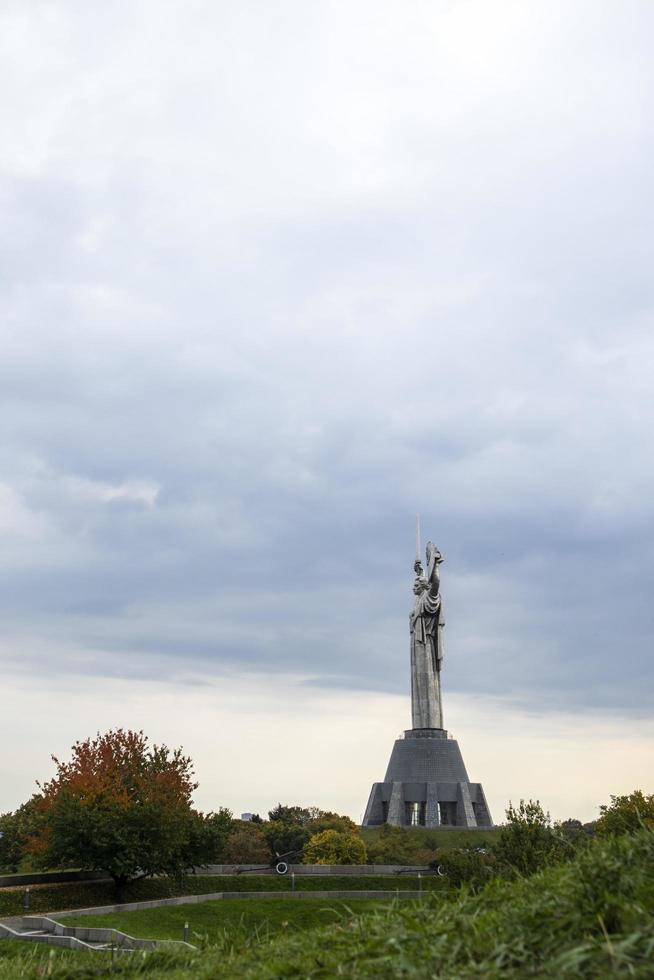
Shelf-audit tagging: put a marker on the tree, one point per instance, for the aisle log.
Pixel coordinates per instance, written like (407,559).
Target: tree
(528,842)
(625,814)
(335,847)
(574,830)
(286,838)
(291,827)
(208,836)
(392,845)
(16,829)
(332,821)
(298,815)
(247,844)
(121,806)
(288,829)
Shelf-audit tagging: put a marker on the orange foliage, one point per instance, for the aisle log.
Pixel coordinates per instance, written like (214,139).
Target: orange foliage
(119,767)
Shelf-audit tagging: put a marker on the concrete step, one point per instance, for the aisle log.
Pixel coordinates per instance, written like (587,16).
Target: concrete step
(42,929)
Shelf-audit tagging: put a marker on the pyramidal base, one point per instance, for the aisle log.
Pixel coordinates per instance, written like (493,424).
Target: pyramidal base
(426,785)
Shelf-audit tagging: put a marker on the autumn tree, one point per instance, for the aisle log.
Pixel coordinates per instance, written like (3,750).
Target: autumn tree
(247,844)
(123,806)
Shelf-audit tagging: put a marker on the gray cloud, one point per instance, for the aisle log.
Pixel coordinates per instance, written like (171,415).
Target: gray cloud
(273,282)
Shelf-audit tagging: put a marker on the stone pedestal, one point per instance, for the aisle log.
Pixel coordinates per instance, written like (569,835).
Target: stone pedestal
(426,785)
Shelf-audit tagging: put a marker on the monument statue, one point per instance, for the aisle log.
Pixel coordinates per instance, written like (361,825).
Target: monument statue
(426,782)
(426,626)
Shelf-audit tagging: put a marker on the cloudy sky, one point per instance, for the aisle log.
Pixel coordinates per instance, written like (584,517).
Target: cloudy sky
(273,278)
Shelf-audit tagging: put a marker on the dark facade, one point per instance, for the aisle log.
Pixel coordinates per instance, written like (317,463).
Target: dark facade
(426,785)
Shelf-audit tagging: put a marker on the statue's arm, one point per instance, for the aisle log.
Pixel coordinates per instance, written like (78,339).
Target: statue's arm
(433,561)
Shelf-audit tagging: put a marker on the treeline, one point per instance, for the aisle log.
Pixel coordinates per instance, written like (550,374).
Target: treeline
(124,807)
(530,841)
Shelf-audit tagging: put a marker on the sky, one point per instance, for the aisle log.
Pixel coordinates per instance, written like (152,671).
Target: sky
(273,279)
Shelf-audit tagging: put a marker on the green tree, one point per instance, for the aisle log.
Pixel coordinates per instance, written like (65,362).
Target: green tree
(299,815)
(290,827)
(625,814)
(121,806)
(207,837)
(335,847)
(286,838)
(528,842)
(327,820)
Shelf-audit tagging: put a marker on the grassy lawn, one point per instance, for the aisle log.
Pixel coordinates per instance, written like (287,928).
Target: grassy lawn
(224,926)
(228,922)
(421,838)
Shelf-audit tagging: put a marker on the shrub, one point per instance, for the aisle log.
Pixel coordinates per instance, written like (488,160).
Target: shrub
(528,842)
(472,865)
(335,847)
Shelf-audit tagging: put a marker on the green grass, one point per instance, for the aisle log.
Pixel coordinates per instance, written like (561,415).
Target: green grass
(592,918)
(211,921)
(74,895)
(424,838)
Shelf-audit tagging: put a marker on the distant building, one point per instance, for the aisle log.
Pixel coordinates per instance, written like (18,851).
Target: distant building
(247,816)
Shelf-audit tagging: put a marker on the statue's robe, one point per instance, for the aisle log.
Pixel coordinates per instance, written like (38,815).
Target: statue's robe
(426,625)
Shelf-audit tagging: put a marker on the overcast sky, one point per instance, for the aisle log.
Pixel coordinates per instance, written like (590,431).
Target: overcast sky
(273,278)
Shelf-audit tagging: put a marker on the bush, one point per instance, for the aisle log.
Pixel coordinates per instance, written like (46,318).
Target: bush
(474,866)
(528,843)
(335,847)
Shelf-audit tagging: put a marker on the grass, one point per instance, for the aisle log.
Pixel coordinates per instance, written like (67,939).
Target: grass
(591,918)
(210,922)
(425,838)
(224,926)
(75,895)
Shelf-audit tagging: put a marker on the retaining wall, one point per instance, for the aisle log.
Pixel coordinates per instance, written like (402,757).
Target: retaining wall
(51,878)
(59,877)
(314,869)
(228,896)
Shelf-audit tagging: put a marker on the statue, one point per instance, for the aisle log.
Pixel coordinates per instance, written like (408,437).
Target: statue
(426,782)
(426,626)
